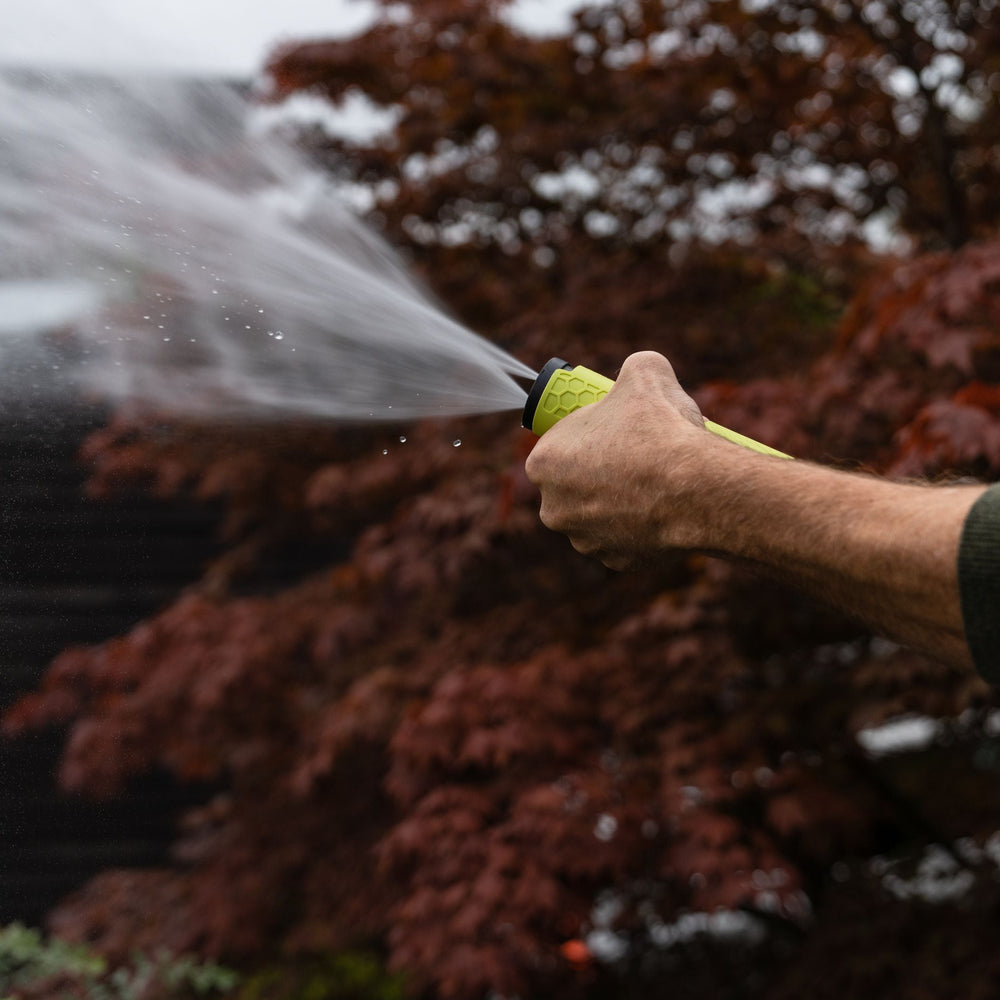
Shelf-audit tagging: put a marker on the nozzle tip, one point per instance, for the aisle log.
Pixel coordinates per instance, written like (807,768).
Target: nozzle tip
(537,389)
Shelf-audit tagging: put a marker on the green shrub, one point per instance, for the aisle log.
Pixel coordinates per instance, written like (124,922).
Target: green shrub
(32,966)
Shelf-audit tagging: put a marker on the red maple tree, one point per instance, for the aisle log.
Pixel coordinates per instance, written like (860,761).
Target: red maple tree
(516,771)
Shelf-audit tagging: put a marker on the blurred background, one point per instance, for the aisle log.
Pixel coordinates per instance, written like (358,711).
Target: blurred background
(311,709)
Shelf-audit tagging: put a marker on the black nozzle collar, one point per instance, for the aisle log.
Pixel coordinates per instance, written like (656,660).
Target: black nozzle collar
(538,389)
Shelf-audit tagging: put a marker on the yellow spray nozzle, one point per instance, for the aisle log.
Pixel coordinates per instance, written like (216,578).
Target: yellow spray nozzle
(560,389)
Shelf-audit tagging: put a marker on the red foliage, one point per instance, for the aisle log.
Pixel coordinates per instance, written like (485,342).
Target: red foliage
(462,740)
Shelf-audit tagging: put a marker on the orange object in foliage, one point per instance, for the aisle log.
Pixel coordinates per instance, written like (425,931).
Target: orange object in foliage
(575,952)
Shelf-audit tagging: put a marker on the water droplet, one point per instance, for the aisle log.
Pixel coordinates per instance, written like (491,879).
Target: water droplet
(457,443)
(385,451)
(279,336)
(166,340)
(402,439)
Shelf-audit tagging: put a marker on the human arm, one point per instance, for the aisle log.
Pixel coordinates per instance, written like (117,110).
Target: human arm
(636,474)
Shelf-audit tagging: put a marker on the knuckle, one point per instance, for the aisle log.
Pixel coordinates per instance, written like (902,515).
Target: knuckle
(585,546)
(648,374)
(535,464)
(648,362)
(548,518)
(556,519)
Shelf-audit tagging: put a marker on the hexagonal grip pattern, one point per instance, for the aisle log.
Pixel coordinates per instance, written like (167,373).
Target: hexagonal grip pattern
(567,390)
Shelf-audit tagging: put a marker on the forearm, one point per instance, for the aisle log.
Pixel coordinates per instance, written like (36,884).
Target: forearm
(885,552)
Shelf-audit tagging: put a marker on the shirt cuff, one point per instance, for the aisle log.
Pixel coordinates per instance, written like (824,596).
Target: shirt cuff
(979,583)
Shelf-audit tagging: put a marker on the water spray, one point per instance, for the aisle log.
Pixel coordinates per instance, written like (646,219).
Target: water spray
(197,266)
(561,388)
(205,270)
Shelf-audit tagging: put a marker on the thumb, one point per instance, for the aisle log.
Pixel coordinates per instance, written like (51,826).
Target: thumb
(650,377)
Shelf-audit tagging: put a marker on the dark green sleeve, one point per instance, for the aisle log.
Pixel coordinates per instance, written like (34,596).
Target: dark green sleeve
(979,583)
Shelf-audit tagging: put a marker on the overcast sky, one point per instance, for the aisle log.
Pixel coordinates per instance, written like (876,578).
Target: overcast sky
(229,37)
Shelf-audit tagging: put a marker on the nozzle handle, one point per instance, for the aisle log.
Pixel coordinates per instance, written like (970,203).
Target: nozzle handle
(560,389)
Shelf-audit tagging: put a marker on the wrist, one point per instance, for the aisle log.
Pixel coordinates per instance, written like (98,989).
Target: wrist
(704,492)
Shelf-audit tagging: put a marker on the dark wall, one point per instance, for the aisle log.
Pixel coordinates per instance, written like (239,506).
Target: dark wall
(74,570)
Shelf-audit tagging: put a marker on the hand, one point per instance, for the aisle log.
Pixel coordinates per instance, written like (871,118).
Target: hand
(614,475)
